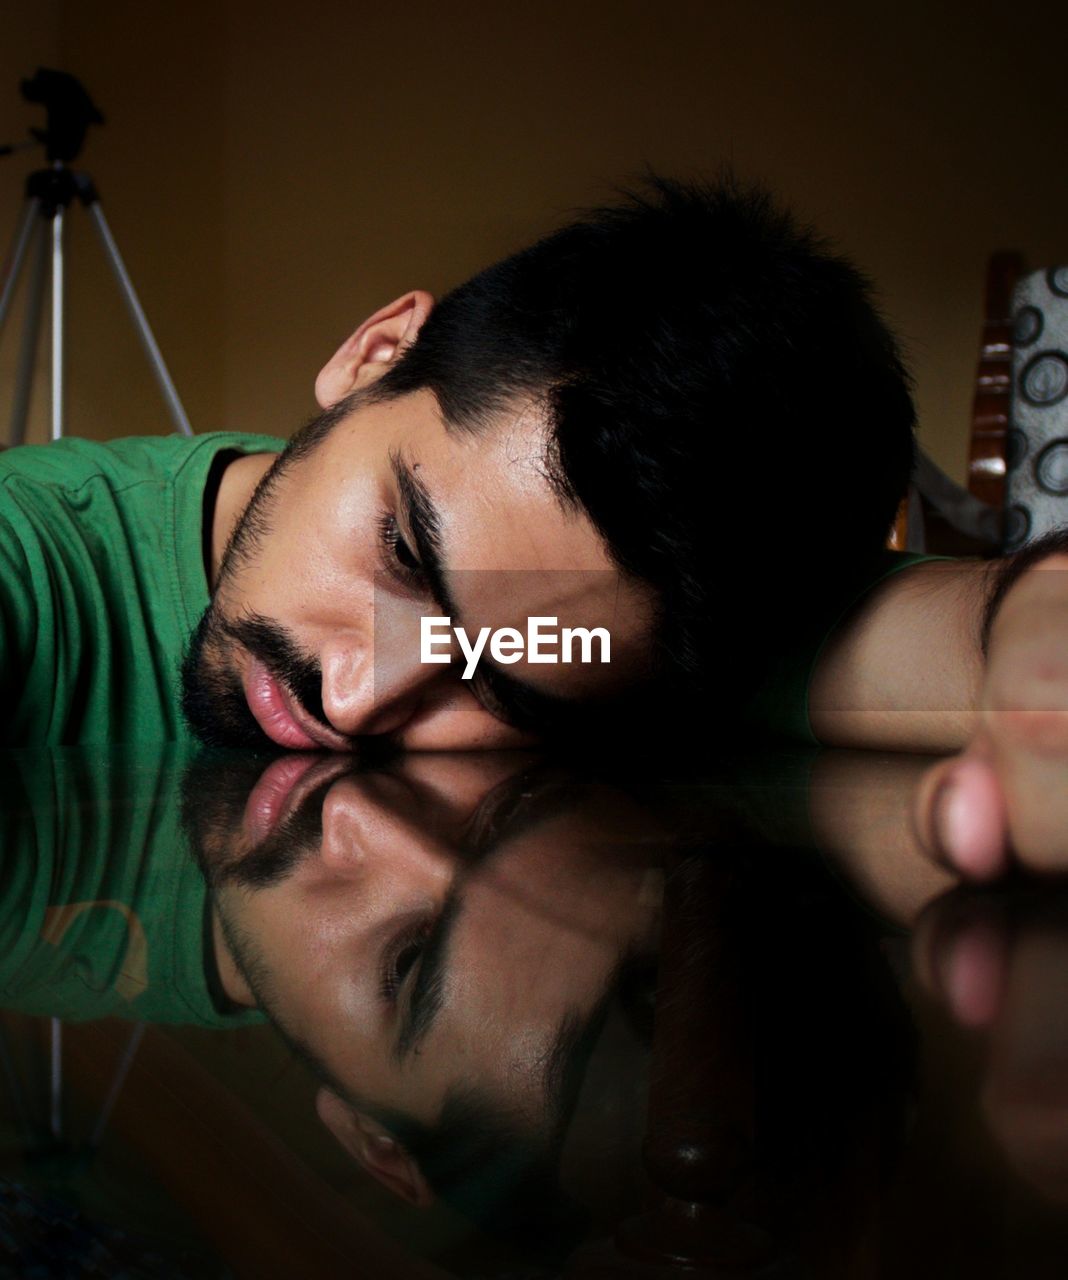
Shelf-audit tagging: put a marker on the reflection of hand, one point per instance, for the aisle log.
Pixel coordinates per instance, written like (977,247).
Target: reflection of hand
(859,806)
(1004,799)
(1001,966)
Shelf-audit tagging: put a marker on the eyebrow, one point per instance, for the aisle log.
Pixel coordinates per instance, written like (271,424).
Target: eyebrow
(421,518)
(517,703)
(516,699)
(428,990)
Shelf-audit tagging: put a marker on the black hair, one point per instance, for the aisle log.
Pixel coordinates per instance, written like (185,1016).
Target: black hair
(501,1168)
(494,1164)
(722,399)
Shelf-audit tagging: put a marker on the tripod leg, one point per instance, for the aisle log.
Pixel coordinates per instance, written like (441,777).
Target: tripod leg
(23,235)
(116,1085)
(144,332)
(31,336)
(57,324)
(56,1079)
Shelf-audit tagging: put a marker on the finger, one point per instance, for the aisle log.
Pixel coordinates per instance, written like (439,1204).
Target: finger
(961,820)
(974,975)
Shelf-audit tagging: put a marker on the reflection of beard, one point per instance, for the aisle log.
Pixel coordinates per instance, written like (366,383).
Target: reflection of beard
(213,699)
(217,785)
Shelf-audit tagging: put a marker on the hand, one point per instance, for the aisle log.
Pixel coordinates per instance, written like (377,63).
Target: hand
(1004,800)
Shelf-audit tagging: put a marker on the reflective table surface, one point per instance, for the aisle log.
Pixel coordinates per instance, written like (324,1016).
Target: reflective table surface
(503,1015)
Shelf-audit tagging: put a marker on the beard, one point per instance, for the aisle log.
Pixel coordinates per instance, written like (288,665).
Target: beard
(213,698)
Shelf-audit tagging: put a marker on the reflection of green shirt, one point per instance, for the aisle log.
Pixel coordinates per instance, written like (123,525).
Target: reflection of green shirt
(103,911)
(101,583)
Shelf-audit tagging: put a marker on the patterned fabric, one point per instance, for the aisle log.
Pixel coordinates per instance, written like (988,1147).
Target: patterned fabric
(1036,454)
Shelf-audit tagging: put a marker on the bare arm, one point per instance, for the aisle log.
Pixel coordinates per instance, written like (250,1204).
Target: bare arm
(909,671)
(904,671)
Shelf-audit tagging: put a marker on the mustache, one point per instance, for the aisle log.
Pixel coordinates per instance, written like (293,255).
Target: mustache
(274,647)
(215,789)
(277,857)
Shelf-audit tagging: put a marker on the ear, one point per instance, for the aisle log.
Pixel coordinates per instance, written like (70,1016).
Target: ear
(367,354)
(232,979)
(373,1147)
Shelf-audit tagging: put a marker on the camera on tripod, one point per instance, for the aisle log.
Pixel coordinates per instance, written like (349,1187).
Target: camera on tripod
(69,111)
(50,192)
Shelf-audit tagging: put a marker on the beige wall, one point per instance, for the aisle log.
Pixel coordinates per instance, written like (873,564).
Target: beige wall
(274,172)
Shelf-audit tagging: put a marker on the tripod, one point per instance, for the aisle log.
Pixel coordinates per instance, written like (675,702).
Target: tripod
(50,193)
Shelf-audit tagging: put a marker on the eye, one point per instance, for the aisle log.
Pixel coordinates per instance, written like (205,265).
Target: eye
(517,706)
(405,962)
(400,558)
(401,957)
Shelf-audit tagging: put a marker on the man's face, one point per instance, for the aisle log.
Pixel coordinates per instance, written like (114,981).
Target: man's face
(406,968)
(313,636)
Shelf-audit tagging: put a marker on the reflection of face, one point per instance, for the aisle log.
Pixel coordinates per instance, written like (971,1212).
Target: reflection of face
(406,971)
(330,555)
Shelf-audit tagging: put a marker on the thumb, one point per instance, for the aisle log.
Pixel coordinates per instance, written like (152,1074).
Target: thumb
(960,817)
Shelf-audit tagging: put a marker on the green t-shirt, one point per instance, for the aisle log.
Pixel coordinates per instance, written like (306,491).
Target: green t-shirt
(103,910)
(102,582)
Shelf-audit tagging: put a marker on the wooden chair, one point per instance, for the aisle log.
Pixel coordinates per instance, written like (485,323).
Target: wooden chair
(938,515)
(992,404)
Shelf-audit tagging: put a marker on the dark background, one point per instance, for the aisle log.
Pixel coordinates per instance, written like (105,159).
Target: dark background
(274,172)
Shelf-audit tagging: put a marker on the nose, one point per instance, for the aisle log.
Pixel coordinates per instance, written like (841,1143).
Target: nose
(377,685)
(371,689)
(368,838)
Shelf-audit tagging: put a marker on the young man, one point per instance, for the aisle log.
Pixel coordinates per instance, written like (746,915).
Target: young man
(678,419)
(571,431)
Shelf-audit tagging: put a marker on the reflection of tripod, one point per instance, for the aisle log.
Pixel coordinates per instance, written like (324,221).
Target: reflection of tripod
(49,194)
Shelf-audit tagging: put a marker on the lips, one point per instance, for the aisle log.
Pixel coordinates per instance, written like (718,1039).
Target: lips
(281,789)
(280,718)
(268,797)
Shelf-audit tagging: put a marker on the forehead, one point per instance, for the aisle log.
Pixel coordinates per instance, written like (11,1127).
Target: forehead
(493,490)
(513,546)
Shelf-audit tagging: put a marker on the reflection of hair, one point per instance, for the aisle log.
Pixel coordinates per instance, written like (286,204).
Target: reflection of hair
(497,1164)
(701,359)
(500,1168)
(834,1051)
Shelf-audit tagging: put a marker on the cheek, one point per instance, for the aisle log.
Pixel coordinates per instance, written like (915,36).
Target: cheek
(460,723)
(301,961)
(316,555)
